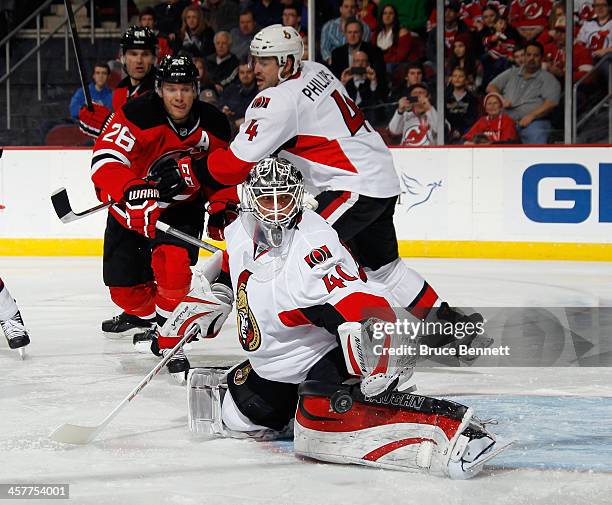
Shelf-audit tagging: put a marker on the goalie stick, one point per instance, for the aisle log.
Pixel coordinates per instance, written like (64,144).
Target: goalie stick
(81,435)
(63,209)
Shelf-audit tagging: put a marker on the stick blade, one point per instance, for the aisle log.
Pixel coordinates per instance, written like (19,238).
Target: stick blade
(74,434)
(61,204)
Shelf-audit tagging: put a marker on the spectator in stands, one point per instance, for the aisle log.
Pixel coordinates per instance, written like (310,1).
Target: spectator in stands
(292,16)
(223,65)
(415,118)
(485,26)
(394,41)
(243,34)
(529,95)
(463,57)
(495,127)
(453,26)
(168,15)
(99,91)
(366,13)
(412,14)
(203,77)
(195,36)
(236,97)
(529,17)
(147,20)
(461,106)
(342,57)
(554,55)
(221,14)
(362,85)
(412,75)
(518,57)
(333,32)
(596,34)
(548,35)
(498,49)
(267,12)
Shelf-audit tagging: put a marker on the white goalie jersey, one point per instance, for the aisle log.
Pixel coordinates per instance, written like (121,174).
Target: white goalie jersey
(311,121)
(289,307)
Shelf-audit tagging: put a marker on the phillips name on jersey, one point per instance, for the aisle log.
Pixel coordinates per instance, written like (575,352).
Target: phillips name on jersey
(310,120)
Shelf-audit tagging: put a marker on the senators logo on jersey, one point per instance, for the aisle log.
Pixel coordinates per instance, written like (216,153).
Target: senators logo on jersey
(241,374)
(261,102)
(317,256)
(248,330)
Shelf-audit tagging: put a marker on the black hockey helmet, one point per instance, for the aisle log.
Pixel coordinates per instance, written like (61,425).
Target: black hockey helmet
(177,69)
(138,37)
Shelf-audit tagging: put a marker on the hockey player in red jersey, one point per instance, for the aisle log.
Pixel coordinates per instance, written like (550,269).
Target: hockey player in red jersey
(304,112)
(151,160)
(11,321)
(138,47)
(300,299)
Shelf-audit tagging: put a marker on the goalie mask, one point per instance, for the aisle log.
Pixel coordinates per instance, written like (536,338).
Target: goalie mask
(272,202)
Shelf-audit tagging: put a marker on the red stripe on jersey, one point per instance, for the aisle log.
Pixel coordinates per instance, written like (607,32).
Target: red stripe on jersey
(360,306)
(227,168)
(314,413)
(383,450)
(322,150)
(328,211)
(292,318)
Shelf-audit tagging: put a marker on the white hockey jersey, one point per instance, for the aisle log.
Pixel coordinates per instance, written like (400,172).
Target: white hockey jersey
(284,304)
(596,36)
(311,120)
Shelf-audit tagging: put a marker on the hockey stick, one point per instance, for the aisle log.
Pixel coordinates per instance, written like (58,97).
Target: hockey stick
(63,209)
(76,434)
(77,51)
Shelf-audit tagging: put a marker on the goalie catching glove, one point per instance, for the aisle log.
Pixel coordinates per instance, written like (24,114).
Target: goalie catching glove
(205,306)
(372,357)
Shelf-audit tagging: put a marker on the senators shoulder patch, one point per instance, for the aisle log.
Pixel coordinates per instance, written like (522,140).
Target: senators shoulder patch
(317,256)
(261,102)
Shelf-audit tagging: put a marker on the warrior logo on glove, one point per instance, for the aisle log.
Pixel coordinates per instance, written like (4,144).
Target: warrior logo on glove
(248,330)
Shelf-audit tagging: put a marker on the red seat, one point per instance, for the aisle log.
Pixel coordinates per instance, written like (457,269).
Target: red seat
(67,135)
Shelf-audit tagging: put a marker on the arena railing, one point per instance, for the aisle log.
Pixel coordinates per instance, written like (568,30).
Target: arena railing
(6,42)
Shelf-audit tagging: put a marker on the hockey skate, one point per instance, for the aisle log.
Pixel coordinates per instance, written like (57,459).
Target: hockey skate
(178,366)
(146,342)
(124,325)
(16,333)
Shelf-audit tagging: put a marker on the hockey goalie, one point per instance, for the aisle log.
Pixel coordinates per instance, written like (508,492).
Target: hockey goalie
(304,315)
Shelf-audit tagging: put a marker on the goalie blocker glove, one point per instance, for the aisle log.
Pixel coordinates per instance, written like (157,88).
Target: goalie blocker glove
(93,122)
(142,206)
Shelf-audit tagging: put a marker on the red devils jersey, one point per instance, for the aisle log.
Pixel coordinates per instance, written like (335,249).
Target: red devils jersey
(582,61)
(529,13)
(596,36)
(140,134)
(125,91)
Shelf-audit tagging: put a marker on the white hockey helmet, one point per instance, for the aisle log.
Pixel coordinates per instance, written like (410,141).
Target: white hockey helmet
(272,201)
(280,42)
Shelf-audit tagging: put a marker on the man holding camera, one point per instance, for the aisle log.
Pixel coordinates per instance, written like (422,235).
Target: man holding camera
(361,83)
(343,57)
(415,118)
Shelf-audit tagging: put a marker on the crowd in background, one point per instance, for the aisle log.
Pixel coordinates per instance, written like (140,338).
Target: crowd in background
(504,61)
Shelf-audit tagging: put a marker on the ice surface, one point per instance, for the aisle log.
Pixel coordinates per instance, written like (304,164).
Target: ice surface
(559,417)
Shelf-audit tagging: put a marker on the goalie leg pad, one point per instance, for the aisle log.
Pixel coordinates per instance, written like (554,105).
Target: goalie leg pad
(399,431)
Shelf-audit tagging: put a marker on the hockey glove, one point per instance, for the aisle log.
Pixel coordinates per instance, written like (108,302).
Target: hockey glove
(220,216)
(175,179)
(92,122)
(142,207)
